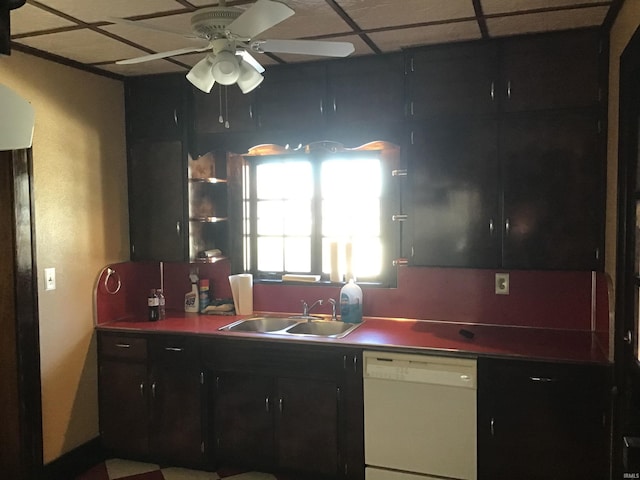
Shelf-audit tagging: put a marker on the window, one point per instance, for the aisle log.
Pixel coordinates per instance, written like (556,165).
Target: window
(323,212)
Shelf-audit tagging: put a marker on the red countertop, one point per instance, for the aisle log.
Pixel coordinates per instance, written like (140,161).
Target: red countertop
(402,334)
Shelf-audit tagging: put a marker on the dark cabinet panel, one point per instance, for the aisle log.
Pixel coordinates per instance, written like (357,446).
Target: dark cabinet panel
(452,79)
(453,174)
(156,106)
(124,411)
(307,442)
(553,198)
(157,177)
(550,71)
(243,420)
(292,98)
(550,418)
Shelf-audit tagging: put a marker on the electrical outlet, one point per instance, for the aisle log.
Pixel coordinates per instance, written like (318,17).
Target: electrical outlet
(502,284)
(49,278)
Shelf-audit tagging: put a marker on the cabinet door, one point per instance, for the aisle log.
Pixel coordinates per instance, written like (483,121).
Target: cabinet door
(453,175)
(308,425)
(553,197)
(292,98)
(124,408)
(155,106)
(157,177)
(226,102)
(243,420)
(550,71)
(458,79)
(176,401)
(542,421)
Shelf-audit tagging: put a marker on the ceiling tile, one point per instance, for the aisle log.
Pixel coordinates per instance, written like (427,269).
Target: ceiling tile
(84,46)
(157,67)
(312,17)
(96,11)
(393,40)
(32,19)
(370,14)
(490,7)
(546,21)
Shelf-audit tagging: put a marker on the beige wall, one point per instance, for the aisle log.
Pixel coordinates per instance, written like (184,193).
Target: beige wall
(81,220)
(627,22)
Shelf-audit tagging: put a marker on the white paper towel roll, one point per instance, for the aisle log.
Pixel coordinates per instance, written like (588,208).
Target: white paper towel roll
(242,291)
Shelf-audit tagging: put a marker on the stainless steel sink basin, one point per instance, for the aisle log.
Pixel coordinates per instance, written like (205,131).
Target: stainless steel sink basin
(294,325)
(260,324)
(321,328)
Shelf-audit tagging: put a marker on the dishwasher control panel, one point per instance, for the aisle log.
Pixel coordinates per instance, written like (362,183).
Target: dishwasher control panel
(449,371)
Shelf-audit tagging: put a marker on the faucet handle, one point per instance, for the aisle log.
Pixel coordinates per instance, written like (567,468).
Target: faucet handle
(333,302)
(305,307)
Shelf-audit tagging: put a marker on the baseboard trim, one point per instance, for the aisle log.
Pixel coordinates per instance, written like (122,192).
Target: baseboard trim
(77,461)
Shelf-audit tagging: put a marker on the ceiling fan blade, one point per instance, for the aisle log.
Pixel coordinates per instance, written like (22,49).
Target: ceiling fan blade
(148,26)
(201,75)
(304,47)
(156,56)
(261,16)
(247,57)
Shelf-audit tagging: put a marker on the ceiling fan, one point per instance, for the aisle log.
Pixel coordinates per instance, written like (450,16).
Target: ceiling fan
(229,34)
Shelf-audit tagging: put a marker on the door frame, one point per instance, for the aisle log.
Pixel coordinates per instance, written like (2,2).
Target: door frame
(26,325)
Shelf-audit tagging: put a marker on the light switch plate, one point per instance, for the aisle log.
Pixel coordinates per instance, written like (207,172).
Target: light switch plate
(49,278)
(502,284)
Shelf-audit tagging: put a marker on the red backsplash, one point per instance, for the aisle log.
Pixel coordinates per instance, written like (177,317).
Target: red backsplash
(563,300)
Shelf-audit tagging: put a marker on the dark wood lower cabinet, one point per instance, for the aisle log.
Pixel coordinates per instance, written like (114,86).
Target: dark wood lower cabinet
(540,420)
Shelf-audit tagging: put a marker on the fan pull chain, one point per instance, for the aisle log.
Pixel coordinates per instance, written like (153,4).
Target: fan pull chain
(226,108)
(220,119)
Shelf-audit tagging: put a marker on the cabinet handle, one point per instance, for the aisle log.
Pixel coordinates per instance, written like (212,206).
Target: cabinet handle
(493,91)
(153,389)
(251,111)
(543,379)
(281,404)
(123,345)
(411,109)
(507,226)
(321,107)
(491,227)
(492,427)
(174,349)
(628,337)
(412,142)
(399,217)
(399,262)
(355,363)
(335,105)
(344,362)
(142,389)
(175,116)
(266,404)
(509,89)
(413,65)
(178,227)
(400,172)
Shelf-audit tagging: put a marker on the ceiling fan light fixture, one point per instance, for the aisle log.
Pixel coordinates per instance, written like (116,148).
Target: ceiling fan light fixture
(201,75)
(249,78)
(225,68)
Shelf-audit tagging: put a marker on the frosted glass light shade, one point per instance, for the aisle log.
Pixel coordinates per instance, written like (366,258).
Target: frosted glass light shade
(249,77)
(225,68)
(201,75)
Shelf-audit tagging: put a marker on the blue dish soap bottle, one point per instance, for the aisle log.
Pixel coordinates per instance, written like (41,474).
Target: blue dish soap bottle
(351,303)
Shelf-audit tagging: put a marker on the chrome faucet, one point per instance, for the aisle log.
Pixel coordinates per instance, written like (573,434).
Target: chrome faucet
(306,308)
(333,302)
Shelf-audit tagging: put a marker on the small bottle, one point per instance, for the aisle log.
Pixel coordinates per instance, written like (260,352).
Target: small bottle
(162,314)
(153,303)
(191,303)
(204,294)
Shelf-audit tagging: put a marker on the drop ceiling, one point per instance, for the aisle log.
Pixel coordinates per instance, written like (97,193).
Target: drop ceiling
(78,32)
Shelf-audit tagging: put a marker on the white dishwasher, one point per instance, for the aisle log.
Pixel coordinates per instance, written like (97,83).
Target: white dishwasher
(419,417)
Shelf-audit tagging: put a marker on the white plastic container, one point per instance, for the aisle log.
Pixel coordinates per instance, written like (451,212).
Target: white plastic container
(191,300)
(351,303)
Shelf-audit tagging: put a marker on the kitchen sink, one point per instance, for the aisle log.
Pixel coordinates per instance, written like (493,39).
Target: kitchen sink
(295,325)
(261,324)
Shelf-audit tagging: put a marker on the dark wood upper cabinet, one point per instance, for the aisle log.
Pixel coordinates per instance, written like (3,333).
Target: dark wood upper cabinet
(453,212)
(553,176)
(451,79)
(157,179)
(559,70)
(156,106)
(292,98)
